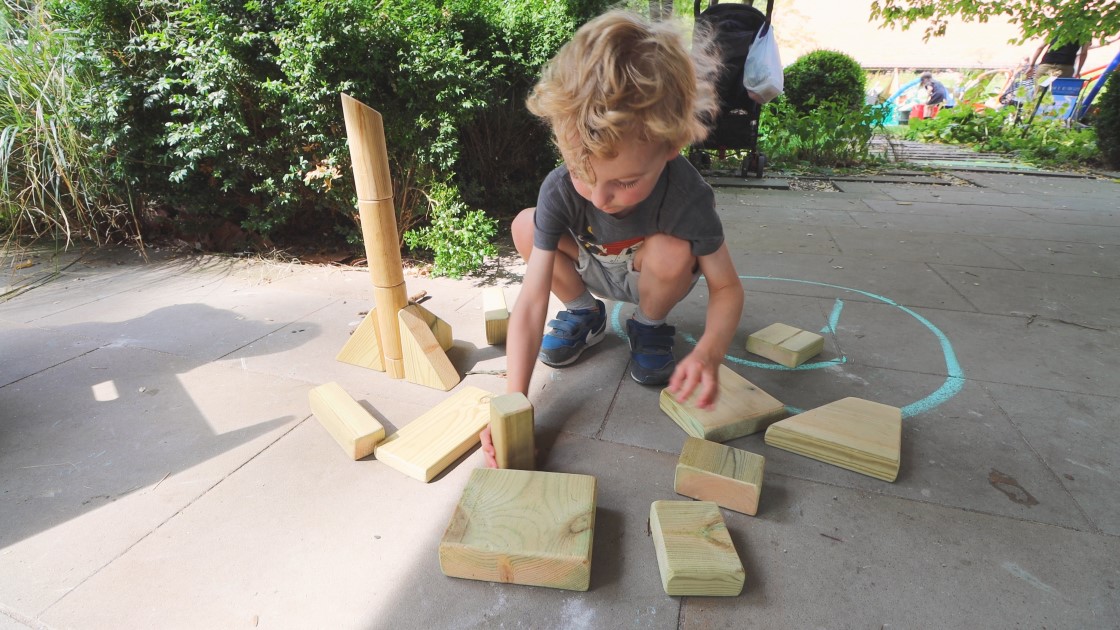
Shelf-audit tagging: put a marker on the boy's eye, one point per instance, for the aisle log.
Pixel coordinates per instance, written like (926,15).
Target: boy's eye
(629,184)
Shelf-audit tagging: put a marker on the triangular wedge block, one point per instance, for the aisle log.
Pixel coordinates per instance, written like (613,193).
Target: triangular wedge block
(741,409)
(423,336)
(363,348)
(852,433)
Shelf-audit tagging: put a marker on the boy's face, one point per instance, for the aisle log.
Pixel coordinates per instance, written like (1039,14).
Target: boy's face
(626,180)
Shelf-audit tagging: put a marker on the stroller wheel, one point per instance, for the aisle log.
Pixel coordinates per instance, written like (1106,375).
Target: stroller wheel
(760,165)
(699,158)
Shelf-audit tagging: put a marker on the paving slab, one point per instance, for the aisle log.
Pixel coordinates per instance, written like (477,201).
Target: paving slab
(917,246)
(1082,259)
(776,215)
(984,226)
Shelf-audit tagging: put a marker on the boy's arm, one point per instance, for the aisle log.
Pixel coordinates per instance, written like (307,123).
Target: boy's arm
(526,322)
(725,306)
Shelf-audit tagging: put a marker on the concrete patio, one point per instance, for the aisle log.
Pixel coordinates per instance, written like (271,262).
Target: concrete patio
(160,466)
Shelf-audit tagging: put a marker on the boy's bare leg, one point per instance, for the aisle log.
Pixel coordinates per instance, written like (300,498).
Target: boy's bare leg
(667,265)
(567,285)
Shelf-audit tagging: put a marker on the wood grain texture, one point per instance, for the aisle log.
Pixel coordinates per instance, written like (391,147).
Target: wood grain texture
(355,430)
(785,345)
(440,328)
(522,527)
(425,362)
(511,427)
(363,348)
(741,409)
(694,551)
(426,446)
(496,315)
(852,433)
(729,477)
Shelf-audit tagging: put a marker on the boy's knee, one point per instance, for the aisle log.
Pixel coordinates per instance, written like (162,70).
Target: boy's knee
(522,229)
(667,256)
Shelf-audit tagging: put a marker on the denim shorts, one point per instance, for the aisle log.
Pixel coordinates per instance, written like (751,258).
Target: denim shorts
(615,280)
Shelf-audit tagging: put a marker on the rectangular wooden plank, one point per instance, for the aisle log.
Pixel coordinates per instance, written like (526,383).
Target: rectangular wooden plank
(496,315)
(694,551)
(355,430)
(522,527)
(729,477)
(426,446)
(511,427)
(741,409)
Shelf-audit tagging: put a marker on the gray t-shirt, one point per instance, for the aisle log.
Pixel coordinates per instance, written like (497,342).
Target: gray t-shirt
(682,204)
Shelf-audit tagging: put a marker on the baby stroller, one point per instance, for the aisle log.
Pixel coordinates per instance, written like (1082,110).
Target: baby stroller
(734,27)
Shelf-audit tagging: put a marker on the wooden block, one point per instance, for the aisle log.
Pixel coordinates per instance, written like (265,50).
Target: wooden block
(852,433)
(511,427)
(363,348)
(785,345)
(428,444)
(522,527)
(439,328)
(496,314)
(694,550)
(349,423)
(741,409)
(425,361)
(730,477)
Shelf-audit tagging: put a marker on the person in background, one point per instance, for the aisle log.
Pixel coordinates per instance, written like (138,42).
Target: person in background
(1058,62)
(938,95)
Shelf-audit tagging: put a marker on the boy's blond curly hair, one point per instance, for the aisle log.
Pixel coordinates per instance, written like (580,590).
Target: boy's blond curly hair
(623,76)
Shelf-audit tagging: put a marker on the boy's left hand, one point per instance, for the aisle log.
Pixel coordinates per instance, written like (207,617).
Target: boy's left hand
(697,372)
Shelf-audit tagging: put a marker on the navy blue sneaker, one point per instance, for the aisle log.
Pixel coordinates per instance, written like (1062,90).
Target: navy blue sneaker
(651,352)
(572,333)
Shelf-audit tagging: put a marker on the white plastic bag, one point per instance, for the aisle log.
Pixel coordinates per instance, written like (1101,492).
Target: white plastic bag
(762,72)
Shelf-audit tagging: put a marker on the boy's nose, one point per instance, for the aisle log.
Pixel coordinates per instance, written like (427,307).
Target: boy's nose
(600,197)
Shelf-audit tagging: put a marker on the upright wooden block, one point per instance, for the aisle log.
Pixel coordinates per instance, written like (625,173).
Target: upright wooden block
(522,527)
(852,433)
(425,361)
(363,348)
(496,314)
(428,444)
(511,427)
(694,550)
(349,424)
(785,345)
(730,477)
(741,409)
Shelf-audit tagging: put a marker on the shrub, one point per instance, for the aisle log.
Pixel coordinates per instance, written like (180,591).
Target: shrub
(1108,121)
(459,238)
(830,134)
(51,178)
(824,76)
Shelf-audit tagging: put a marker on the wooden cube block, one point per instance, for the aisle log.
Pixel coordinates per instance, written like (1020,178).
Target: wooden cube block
(428,444)
(522,527)
(785,345)
(694,550)
(511,428)
(355,430)
(496,314)
(729,477)
(852,433)
(741,409)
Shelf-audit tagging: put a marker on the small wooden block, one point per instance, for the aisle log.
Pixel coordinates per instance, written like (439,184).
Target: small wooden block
(741,409)
(730,477)
(349,423)
(785,345)
(496,314)
(694,550)
(522,527)
(425,361)
(852,433)
(511,427)
(363,348)
(440,329)
(428,444)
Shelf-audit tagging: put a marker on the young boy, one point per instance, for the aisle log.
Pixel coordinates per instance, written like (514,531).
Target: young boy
(626,216)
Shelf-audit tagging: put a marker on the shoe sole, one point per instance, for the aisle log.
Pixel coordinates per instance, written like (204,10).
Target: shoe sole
(592,339)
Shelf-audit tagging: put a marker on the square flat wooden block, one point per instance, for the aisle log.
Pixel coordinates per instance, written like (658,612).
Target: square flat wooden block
(522,527)
(785,345)
(694,550)
(741,409)
(729,477)
(852,433)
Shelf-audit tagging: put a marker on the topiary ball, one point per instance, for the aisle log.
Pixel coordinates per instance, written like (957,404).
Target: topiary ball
(1108,121)
(824,75)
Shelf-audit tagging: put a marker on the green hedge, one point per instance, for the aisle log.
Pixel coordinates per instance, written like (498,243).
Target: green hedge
(215,110)
(1108,121)
(825,76)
